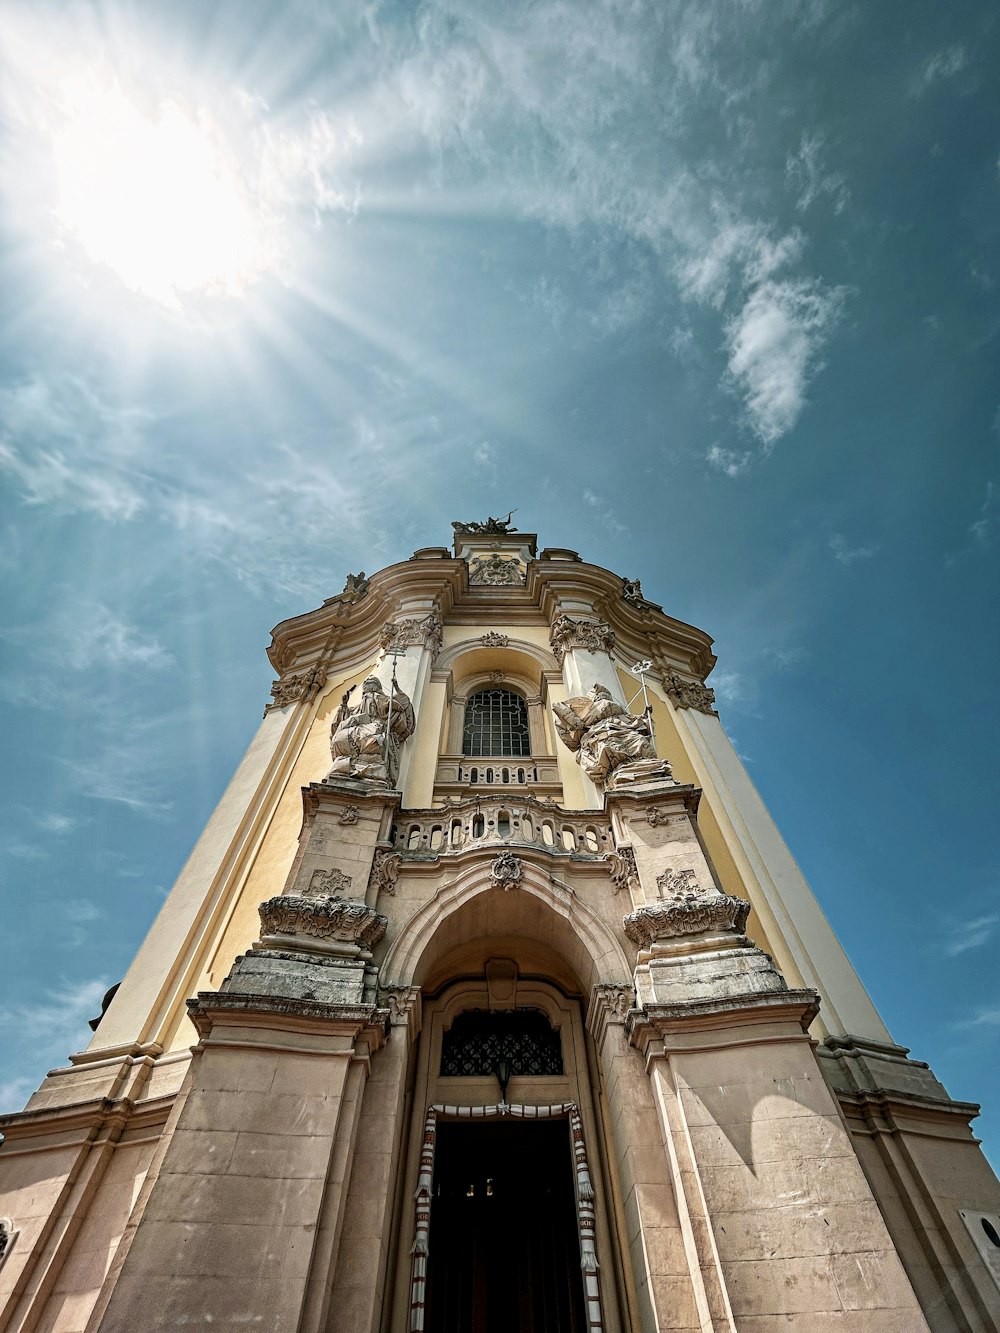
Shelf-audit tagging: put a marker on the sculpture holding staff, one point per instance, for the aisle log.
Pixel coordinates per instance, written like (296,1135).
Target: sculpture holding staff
(602,733)
(366,738)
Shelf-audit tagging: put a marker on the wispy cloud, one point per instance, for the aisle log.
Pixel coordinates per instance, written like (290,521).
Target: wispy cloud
(846,554)
(972,934)
(982,530)
(731,462)
(943,64)
(988,1017)
(806,175)
(774,347)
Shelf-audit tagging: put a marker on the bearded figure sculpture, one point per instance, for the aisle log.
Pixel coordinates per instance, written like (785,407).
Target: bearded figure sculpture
(601,733)
(366,738)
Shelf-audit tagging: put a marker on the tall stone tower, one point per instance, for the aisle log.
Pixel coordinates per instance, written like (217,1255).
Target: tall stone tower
(491,999)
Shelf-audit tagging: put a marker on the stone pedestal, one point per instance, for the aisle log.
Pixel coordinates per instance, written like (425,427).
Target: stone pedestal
(243,1214)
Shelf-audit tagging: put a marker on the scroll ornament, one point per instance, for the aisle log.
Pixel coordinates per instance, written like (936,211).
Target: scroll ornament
(385,872)
(506,872)
(622,867)
(303,685)
(689,693)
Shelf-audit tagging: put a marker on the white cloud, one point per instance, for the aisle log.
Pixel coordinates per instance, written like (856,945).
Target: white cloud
(982,529)
(57,1019)
(485,455)
(100,638)
(52,822)
(847,554)
(774,345)
(732,687)
(732,462)
(965,935)
(805,174)
(944,64)
(985,1018)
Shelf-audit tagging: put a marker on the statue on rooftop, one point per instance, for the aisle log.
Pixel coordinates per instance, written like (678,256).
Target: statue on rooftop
(492,525)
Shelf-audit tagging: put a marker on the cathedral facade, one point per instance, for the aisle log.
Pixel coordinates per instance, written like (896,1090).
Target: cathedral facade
(491,999)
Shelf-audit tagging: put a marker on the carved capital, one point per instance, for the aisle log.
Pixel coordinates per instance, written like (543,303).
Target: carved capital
(622,867)
(398,999)
(685,916)
(506,872)
(689,693)
(301,687)
(595,636)
(385,872)
(323,919)
(423,630)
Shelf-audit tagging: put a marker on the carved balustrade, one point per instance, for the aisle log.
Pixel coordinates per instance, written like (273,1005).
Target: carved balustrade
(507,820)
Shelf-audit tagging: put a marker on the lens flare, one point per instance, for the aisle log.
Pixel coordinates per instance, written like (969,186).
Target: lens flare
(158,196)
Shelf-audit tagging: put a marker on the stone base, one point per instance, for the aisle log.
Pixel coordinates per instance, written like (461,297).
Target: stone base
(294,975)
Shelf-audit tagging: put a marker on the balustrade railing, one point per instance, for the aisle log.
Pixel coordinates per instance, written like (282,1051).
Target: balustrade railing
(501,821)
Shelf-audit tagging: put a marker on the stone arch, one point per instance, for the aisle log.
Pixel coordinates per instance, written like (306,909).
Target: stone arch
(541,658)
(540,910)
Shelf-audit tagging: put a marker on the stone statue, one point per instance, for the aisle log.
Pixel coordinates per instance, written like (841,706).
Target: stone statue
(365,740)
(601,733)
(492,525)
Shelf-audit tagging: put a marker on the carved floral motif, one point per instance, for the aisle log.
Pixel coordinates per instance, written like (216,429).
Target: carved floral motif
(323,918)
(595,636)
(687,916)
(689,693)
(495,571)
(656,816)
(494,640)
(677,884)
(301,686)
(327,883)
(385,872)
(622,867)
(427,630)
(349,816)
(506,872)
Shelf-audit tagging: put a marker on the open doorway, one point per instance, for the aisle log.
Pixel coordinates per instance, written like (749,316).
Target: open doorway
(504,1249)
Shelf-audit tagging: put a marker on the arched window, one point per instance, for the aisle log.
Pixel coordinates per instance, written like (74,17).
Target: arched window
(496,722)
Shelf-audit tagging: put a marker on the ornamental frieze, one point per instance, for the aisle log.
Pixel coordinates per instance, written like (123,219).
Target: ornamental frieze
(496,571)
(323,919)
(423,630)
(594,636)
(689,693)
(666,920)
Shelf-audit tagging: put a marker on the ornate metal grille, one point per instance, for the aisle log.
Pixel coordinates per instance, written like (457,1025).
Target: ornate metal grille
(479,1038)
(496,723)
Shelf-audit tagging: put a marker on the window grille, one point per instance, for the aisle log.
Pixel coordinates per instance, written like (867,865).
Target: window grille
(479,1038)
(496,723)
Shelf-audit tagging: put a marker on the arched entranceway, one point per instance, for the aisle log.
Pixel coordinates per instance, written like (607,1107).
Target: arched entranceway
(505,1211)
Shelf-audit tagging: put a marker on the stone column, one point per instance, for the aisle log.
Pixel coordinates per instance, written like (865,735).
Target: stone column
(780,1223)
(244,1212)
(421,635)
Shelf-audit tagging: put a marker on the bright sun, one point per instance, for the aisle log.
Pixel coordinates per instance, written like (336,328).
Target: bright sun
(158,196)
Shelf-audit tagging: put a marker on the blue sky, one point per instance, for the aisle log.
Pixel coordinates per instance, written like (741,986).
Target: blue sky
(709,291)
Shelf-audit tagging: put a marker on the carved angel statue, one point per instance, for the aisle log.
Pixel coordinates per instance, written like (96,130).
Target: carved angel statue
(601,733)
(366,738)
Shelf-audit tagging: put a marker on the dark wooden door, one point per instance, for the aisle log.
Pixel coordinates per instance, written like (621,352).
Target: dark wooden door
(504,1245)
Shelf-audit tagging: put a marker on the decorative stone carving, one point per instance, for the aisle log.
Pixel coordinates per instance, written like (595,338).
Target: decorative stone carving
(356,586)
(399,1000)
(385,872)
(686,916)
(324,919)
(677,884)
(689,693)
(595,636)
(301,686)
(619,996)
(506,872)
(7,1234)
(327,884)
(365,741)
(427,630)
(350,815)
(491,525)
(497,676)
(601,734)
(622,867)
(656,816)
(632,592)
(495,570)
(494,640)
